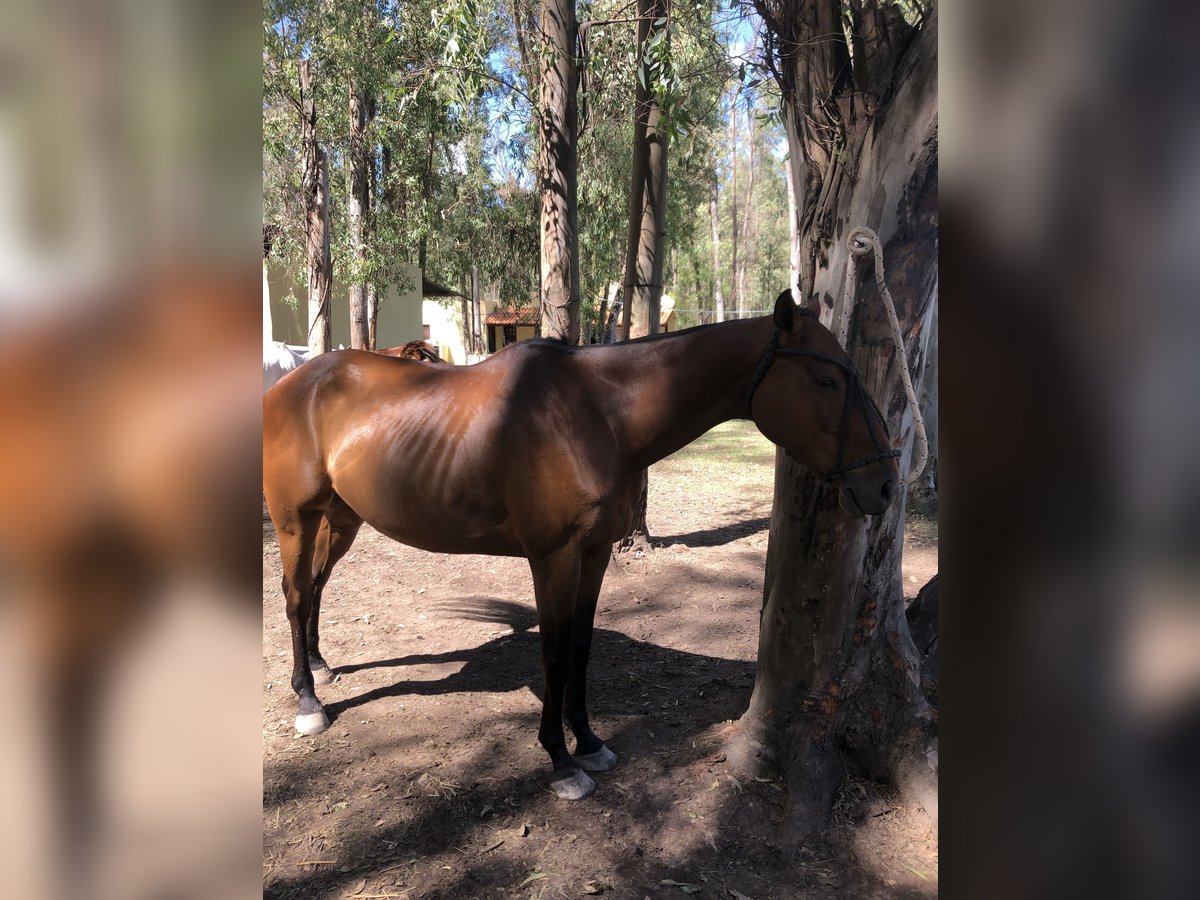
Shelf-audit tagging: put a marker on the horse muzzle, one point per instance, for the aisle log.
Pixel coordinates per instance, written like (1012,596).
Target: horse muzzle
(868,494)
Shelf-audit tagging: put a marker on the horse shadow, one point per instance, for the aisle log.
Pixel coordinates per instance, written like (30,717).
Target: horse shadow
(625,675)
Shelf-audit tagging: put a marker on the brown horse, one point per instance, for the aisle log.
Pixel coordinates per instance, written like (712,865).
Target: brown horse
(537,452)
(422,351)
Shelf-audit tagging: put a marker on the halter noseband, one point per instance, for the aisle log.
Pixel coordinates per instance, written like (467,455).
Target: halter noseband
(853,387)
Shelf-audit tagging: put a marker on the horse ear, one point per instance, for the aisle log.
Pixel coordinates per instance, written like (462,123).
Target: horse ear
(785,312)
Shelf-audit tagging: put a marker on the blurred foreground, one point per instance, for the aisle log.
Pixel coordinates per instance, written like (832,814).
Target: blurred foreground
(129,450)
(1071,636)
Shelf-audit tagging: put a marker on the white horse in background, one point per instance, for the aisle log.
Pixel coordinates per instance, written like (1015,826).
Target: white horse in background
(279,359)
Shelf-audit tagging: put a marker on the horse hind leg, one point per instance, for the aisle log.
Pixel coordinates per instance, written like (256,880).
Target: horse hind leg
(556,583)
(591,753)
(296,548)
(339,527)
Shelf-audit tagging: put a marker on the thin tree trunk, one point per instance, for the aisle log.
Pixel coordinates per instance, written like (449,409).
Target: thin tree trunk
(646,250)
(319,263)
(793,234)
(733,202)
(713,206)
(477,317)
(646,254)
(747,218)
(838,681)
(382,204)
(357,212)
(557,166)
(426,195)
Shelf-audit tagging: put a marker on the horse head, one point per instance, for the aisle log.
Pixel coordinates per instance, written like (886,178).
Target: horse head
(807,397)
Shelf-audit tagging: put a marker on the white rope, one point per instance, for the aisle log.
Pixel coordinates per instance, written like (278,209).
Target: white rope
(861,242)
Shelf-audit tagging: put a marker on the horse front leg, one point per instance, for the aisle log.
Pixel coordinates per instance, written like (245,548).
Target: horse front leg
(556,584)
(591,753)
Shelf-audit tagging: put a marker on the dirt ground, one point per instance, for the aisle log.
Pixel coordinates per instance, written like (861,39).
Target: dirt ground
(430,781)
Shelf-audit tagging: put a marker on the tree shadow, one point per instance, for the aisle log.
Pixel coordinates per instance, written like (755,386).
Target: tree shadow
(715,537)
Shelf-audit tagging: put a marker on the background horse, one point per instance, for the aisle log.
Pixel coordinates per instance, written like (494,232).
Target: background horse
(424,454)
(418,350)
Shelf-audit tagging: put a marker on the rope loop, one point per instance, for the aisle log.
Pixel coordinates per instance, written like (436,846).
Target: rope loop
(860,242)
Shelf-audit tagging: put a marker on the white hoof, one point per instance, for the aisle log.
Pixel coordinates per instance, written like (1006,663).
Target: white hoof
(576,786)
(312,723)
(322,676)
(603,760)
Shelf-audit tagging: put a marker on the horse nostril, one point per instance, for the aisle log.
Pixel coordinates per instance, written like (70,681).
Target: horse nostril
(886,490)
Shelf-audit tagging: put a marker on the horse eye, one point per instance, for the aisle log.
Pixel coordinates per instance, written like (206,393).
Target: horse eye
(826,384)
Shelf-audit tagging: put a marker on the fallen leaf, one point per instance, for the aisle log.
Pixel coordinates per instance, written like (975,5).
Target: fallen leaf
(487,808)
(738,895)
(534,877)
(594,887)
(522,830)
(358,886)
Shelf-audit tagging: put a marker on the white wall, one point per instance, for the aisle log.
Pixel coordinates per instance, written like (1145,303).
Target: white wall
(400,315)
(445,327)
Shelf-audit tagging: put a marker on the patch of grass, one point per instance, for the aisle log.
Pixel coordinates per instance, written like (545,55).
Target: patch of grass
(733,451)
(921,530)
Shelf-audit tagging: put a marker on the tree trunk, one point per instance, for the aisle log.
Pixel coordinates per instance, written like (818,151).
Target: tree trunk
(645,252)
(838,683)
(381,204)
(718,295)
(747,241)
(316,219)
(557,165)
(733,193)
(637,540)
(647,227)
(358,204)
(476,347)
(793,233)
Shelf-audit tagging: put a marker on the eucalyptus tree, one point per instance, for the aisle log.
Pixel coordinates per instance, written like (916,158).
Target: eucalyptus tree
(838,679)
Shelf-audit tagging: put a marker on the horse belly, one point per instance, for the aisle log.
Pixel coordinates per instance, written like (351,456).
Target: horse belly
(439,514)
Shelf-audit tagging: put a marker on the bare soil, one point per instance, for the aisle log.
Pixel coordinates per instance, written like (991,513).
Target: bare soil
(430,781)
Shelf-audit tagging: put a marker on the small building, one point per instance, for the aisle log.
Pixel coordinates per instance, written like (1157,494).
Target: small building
(507,326)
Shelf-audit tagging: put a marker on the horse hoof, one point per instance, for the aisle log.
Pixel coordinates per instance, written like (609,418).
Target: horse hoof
(312,723)
(576,786)
(323,675)
(603,760)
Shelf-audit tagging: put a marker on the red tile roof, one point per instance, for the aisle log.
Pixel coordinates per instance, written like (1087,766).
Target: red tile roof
(526,315)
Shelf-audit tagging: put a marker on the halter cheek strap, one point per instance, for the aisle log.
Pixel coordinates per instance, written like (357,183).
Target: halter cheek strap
(854,387)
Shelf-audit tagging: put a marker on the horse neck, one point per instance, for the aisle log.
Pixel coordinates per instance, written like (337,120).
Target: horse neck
(668,391)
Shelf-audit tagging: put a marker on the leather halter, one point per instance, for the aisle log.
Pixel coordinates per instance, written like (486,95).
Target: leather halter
(854,387)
